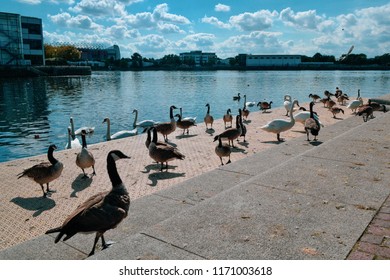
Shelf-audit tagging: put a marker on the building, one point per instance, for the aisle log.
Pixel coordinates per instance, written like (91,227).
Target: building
(198,58)
(99,53)
(21,40)
(269,60)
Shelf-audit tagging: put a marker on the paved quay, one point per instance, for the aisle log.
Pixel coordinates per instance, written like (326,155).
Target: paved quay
(293,200)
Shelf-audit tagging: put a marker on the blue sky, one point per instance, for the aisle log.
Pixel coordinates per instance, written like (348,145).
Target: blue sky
(226,27)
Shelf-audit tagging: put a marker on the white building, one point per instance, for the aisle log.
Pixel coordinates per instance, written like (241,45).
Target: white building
(198,57)
(272,60)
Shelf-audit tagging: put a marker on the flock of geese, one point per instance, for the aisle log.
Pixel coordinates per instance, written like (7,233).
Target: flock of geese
(106,210)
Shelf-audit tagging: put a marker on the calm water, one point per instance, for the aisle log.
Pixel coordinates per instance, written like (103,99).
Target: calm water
(43,106)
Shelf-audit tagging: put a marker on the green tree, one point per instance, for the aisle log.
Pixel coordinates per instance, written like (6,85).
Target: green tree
(136,60)
(66,52)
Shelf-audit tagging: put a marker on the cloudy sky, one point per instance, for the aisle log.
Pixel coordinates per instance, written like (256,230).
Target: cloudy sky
(155,28)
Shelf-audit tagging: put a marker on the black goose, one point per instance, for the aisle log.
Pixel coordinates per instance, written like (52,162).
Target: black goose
(167,128)
(311,124)
(243,127)
(101,212)
(85,158)
(45,172)
(222,150)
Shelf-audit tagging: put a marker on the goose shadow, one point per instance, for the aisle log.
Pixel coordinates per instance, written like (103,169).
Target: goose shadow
(164,175)
(315,142)
(183,136)
(274,142)
(79,184)
(299,131)
(171,143)
(244,144)
(246,121)
(210,131)
(236,149)
(37,204)
(338,118)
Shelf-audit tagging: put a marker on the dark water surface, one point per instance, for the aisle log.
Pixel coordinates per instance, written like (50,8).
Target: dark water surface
(35,112)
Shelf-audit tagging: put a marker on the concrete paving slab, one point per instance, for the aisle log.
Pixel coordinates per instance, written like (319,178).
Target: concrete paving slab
(41,248)
(142,247)
(255,222)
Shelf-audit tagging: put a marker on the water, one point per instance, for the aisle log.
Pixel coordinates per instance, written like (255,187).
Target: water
(35,112)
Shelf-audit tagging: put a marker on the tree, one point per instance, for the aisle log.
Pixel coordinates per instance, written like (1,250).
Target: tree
(136,60)
(171,59)
(67,52)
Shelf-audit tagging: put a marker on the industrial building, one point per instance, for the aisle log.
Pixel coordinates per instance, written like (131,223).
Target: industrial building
(251,60)
(21,40)
(198,57)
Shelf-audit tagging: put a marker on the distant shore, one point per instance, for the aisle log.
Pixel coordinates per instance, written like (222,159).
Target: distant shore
(38,71)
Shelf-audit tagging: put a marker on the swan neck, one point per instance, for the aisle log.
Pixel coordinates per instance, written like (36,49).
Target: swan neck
(108,135)
(135,119)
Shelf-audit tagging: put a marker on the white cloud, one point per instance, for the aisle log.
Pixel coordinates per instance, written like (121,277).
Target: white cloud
(79,21)
(216,22)
(259,20)
(30,2)
(160,13)
(169,28)
(98,8)
(305,20)
(222,8)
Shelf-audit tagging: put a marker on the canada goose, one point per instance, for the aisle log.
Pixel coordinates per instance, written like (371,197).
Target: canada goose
(324,100)
(264,106)
(366,111)
(119,134)
(208,119)
(302,116)
(312,125)
(72,143)
(167,128)
(222,150)
(315,97)
(335,111)
(144,123)
(376,106)
(243,127)
(162,153)
(237,97)
(45,172)
(279,125)
(184,124)
(186,118)
(232,133)
(328,94)
(149,139)
(84,158)
(102,211)
(330,103)
(87,129)
(338,92)
(228,118)
(341,98)
(245,111)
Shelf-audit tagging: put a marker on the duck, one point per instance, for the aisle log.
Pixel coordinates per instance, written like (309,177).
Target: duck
(264,105)
(119,134)
(85,158)
(163,154)
(144,123)
(315,97)
(87,129)
(245,111)
(312,125)
(72,143)
(366,112)
(167,128)
(335,111)
(208,119)
(243,127)
(184,124)
(280,125)
(237,97)
(232,133)
(222,150)
(193,119)
(44,172)
(101,212)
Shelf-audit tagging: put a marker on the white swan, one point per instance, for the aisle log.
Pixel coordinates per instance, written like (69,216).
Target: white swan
(354,104)
(287,104)
(78,131)
(144,123)
(72,143)
(279,125)
(193,119)
(119,134)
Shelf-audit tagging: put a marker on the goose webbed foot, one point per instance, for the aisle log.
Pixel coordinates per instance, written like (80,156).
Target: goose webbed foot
(228,161)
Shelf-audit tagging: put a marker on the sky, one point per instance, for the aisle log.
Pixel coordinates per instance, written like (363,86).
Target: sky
(155,28)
